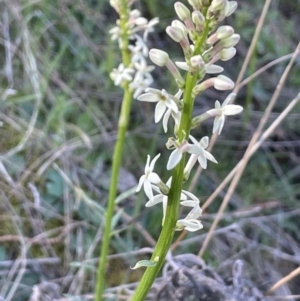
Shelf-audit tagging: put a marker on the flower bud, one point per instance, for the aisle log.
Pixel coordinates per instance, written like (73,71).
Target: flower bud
(223,83)
(230,7)
(198,19)
(212,69)
(217,5)
(224,32)
(164,189)
(197,61)
(158,57)
(231,41)
(182,11)
(195,4)
(180,25)
(205,3)
(227,54)
(175,33)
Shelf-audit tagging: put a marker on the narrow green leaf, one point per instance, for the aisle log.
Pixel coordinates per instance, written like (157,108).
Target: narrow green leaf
(144,263)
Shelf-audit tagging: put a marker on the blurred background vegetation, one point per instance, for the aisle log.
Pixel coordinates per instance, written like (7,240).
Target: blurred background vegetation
(59,111)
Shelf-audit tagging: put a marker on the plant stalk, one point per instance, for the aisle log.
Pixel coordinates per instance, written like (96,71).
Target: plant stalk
(117,156)
(166,236)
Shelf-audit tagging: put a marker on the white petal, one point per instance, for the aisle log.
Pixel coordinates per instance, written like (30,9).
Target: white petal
(153,162)
(210,157)
(190,225)
(154,178)
(213,69)
(222,121)
(174,159)
(216,124)
(189,203)
(232,110)
(202,161)
(228,99)
(147,166)
(195,150)
(190,164)
(165,204)
(148,97)
(222,83)
(155,188)
(195,213)
(183,197)
(141,182)
(166,119)
(193,140)
(204,142)
(170,103)
(182,65)
(148,189)
(156,200)
(192,196)
(159,111)
(217,104)
(169,182)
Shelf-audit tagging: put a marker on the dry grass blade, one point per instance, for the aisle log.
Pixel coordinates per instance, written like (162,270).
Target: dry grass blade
(284,280)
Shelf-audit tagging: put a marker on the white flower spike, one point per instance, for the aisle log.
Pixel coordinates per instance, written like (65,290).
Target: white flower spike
(222,111)
(149,177)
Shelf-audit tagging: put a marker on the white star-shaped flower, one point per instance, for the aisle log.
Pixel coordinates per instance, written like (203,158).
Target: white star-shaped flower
(149,28)
(149,177)
(140,83)
(121,74)
(179,150)
(163,99)
(170,112)
(199,153)
(191,223)
(209,68)
(222,111)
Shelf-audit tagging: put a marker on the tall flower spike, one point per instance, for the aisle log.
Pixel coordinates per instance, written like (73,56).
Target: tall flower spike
(222,111)
(149,177)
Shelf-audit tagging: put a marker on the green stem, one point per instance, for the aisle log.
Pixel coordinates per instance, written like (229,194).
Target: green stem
(166,236)
(117,157)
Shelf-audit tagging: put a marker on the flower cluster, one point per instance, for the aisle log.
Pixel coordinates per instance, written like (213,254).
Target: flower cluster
(138,73)
(199,60)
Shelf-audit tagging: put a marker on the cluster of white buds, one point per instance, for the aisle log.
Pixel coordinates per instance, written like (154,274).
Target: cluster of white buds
(138,73)
(201,21)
